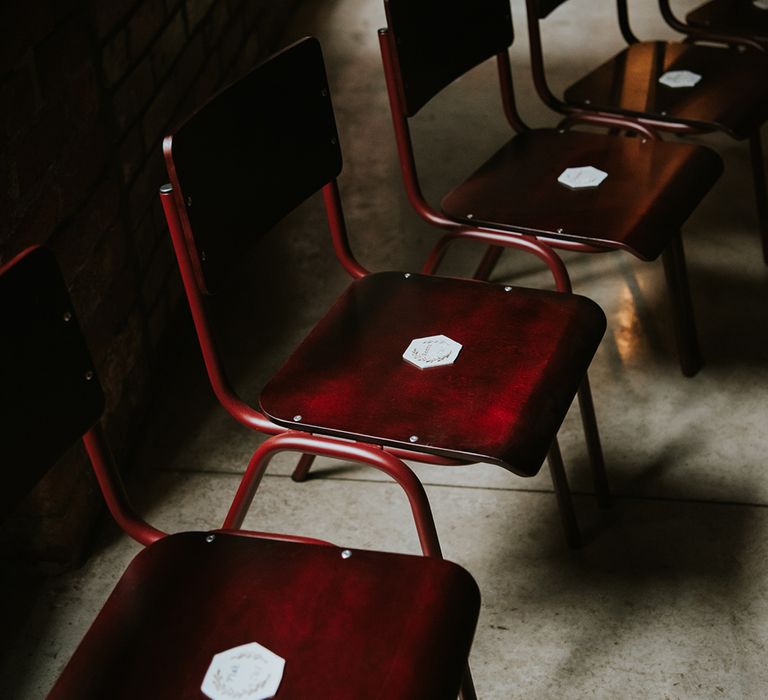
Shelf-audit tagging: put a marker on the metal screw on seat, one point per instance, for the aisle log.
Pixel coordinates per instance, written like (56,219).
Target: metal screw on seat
(210,538)
(346,554)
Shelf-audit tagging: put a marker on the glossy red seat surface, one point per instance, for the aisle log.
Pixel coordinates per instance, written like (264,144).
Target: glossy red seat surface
(350,624)
(651,189)
(732,94)
(370,625)
(739,17)
(524,354)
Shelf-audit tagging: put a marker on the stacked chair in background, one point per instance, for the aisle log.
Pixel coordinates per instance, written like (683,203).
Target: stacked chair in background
(730,95)
(728,20)
(347,622)
(651,189)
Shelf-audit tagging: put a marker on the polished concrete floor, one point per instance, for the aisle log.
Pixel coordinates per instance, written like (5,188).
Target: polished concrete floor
(668,598)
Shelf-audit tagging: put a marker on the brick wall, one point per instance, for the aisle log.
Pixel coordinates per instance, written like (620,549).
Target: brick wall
(87,90)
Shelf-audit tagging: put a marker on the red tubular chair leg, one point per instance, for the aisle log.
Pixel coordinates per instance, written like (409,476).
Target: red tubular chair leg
(682,307)
(302,468)
(485,268)
(328,447)
(594,448)
(437,254)
(563,493)
(468,687)
(761,194)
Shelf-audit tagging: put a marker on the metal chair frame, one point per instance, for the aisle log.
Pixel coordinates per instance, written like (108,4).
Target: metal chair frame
(388,459)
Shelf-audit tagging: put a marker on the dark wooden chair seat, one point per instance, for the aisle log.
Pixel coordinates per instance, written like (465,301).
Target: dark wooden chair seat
(524,355)
(349,624)
(365,626)
(651,189)
(732,95)
(739,17)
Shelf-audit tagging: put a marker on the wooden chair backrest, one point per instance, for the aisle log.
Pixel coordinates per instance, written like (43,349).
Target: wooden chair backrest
(50,394)
(251,155)
(435,42)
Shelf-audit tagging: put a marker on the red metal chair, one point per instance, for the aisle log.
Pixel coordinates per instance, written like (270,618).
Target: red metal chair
(651,189)
(243,162)
(726,19)
(403,625)
(731,94)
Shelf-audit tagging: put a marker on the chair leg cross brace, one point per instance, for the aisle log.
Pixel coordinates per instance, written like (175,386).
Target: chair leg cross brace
(310,445)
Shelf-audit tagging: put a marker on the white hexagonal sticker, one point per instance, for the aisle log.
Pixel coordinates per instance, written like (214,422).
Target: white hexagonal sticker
(680,78)
(249,672)
(432,351)
(582,178)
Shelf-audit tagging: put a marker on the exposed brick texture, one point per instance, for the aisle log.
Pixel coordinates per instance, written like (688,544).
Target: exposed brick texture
(87,90)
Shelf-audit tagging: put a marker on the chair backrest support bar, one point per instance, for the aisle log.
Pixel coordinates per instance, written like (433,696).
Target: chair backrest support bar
(622,11)
(222,387)
(538,71)
(403,137)
(113,489)
(506,85)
